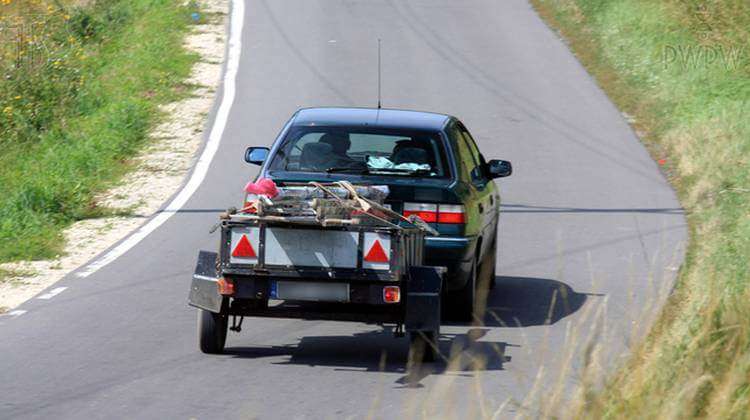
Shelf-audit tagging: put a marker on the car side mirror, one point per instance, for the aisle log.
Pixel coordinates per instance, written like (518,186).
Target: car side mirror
(499,168)
(256,155)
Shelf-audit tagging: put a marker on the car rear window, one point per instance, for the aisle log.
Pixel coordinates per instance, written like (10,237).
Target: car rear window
(361,150)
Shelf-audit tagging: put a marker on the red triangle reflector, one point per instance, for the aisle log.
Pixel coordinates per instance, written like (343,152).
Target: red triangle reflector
(244,249)
(377,254)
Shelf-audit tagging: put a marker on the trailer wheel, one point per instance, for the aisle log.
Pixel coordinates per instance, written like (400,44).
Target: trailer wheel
(212,331)
(422,347)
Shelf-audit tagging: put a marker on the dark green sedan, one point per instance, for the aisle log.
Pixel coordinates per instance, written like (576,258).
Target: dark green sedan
(432,167)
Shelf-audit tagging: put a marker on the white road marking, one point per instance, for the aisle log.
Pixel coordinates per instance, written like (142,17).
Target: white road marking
(212,145)
(16,313)
(52,293)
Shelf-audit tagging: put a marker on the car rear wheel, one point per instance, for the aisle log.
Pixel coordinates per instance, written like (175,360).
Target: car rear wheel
(212,332)
(488,268)
(461,302)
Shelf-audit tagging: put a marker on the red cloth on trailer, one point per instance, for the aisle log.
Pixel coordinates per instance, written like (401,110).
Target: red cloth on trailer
(263,186)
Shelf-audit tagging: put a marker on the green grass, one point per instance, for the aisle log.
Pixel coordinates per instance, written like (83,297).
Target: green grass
(75,106)
(682,68)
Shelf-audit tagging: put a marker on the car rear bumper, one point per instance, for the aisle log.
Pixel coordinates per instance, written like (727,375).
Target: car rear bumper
(455,253)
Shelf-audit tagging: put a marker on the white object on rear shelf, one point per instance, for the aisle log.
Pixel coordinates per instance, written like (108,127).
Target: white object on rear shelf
(381,162)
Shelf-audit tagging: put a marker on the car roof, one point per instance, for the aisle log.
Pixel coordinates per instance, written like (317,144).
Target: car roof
(384,118)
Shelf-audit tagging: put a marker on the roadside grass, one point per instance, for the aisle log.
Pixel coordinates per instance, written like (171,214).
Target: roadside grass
(681,68)
(80,89)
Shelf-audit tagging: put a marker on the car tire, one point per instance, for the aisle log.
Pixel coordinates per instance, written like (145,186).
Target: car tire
(489,281)
(422,346)
(212,331)
(462,301)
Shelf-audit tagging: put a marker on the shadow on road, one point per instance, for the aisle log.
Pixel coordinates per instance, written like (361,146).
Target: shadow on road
(378,351)
(515,302)
(529,301)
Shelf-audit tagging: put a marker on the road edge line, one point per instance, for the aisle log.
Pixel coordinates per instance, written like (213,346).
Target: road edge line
(206,157)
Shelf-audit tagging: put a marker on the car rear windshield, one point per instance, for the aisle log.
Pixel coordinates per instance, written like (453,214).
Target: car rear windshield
(361,150)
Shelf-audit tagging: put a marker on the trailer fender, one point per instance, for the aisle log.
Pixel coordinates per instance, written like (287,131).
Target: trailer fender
(204,292)
(423,299)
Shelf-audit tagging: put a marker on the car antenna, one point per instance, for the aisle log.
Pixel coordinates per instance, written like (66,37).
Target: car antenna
(379,71)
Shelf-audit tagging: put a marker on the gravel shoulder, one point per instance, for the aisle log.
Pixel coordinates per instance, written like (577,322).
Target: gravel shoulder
(159,171)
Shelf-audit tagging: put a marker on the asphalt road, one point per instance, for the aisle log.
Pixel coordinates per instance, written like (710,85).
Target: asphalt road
(586,213)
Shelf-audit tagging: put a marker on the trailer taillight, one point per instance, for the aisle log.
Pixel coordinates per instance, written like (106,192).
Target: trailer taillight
(392,294)
(226,286)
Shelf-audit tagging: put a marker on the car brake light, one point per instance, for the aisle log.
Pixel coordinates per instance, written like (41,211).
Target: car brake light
(426,212)
(226,286)
(433,213)
(451,213)
(392,294)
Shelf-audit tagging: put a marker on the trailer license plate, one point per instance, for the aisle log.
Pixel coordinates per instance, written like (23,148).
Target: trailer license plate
(310,291)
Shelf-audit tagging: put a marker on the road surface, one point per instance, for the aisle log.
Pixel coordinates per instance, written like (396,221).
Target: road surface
(588,222)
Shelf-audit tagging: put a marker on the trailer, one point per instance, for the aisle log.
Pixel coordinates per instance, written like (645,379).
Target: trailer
(326,253)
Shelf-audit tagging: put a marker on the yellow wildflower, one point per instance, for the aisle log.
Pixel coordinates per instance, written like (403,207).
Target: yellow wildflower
(8,109)
(18,97)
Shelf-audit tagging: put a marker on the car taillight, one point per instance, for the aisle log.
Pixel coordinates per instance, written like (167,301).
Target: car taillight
(426,212)
(434,213)
(451,213)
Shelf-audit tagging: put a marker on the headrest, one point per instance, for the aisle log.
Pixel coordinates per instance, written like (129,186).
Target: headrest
(315,155)
(339,143)
(411,155)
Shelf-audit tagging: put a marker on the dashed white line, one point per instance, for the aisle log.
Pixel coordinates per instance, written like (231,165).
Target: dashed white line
(52,293)
(16,313)
(212,145)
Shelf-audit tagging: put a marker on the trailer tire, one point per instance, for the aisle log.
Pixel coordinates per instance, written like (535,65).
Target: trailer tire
(422,345)
(212,331)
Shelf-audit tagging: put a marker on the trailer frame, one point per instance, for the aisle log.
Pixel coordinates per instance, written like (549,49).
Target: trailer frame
(417,312)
